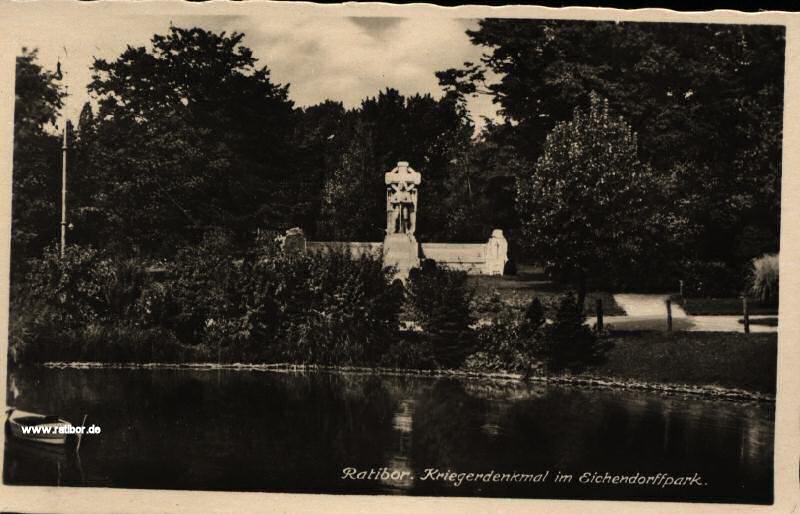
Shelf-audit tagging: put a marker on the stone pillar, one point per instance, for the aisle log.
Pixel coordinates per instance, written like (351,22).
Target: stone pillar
(496,253)
(402,252)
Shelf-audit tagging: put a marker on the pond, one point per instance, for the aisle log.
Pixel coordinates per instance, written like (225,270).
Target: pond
(338,433)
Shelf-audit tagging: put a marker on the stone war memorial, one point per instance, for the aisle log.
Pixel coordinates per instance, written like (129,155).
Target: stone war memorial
(400,247)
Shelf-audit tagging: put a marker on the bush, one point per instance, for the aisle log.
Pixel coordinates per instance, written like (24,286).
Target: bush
(65,301)
(124,342)
(336,309)
(35,337)
(508,341)
(486,361)
(764,279)
(68,288)
(440,300)
(323,307)
(200,297)
(80,289)
(410,352)
(568,343)
(703,279)
(535,316)
(260,306)
(32,327)
(122,284)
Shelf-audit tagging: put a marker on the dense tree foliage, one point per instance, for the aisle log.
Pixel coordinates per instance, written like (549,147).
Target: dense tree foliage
(37,160)
(587,206)
(433,135)
(441,301)
(630,155)
(705,100)
(189,134)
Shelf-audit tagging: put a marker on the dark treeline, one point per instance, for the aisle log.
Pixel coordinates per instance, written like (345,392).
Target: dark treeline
(191,135)
(705,103)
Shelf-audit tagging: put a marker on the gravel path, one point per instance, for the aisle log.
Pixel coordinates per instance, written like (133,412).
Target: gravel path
(649,312)
(647,305)
(687,323)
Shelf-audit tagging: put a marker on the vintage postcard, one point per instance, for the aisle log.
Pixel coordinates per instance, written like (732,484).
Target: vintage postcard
(398,258)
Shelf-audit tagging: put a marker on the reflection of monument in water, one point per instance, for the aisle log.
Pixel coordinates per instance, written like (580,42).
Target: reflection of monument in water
(399,459)
(400,247)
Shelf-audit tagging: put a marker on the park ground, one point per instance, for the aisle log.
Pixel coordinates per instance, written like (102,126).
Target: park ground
(531,282)
(706,359)
(730,360)
(707,348)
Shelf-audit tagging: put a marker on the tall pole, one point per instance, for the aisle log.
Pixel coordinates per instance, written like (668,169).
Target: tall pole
(64,191)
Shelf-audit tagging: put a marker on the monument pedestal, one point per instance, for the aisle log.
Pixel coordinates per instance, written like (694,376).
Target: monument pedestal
(402,252)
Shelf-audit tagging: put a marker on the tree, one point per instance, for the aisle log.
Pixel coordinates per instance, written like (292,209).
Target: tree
(705,101)
(350,198)
(440,299)
(432,135)
(190,134)
(36,167)
(321,135)
(585,207)
(567,342)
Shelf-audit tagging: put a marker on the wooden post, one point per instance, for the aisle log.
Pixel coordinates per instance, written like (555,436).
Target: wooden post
(669,315)
(599,324)
(746,313)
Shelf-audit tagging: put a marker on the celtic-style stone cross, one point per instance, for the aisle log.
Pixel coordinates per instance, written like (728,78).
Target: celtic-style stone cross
(401,199)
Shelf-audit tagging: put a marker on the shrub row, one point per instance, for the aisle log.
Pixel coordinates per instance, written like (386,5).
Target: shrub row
(263,306)
(551,335)
(268,305)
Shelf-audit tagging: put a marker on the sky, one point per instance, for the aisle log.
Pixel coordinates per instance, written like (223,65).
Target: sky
(325,57)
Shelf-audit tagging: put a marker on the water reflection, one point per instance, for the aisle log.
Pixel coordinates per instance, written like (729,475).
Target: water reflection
(257,431)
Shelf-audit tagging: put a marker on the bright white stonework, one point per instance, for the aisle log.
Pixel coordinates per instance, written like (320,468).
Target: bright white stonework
(400,248)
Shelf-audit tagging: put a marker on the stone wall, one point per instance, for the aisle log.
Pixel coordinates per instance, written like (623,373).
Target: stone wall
(400,248)
(475,258)
(469,257)
(487,258)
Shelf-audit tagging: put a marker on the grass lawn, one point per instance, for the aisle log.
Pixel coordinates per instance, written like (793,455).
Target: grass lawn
(724,306)
(530,282)
(725,359)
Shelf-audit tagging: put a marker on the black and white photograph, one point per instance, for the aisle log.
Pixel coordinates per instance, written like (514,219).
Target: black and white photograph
(450,256)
